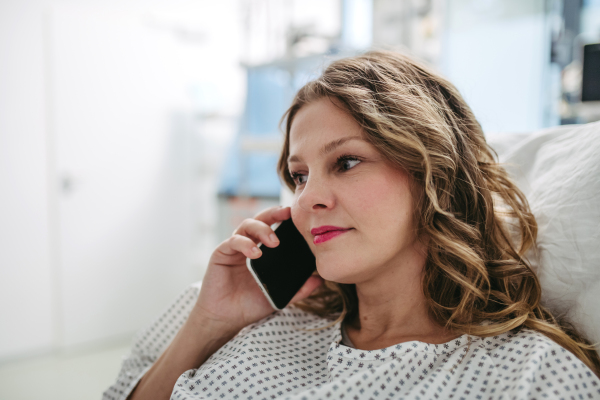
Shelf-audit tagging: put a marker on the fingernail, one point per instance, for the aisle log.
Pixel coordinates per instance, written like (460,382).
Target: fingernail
(273,237)
(255,250)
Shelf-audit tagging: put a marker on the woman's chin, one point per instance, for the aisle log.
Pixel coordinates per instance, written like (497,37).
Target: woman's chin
(335,272)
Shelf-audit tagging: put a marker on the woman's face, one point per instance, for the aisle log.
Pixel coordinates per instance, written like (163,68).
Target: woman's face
(344,183)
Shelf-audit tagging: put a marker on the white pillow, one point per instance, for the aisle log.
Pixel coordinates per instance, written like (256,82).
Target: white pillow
(558,169)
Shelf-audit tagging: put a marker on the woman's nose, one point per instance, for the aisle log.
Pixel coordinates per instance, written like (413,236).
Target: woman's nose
(316,195)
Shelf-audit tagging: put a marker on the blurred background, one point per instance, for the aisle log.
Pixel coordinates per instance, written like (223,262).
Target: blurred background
(136,135)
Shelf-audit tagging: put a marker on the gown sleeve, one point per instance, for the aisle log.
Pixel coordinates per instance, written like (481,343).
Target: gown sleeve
(560,374)
(149,343)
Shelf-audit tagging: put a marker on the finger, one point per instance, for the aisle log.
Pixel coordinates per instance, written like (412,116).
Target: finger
(258,231)
(311,284)
(240,244)
(274,214)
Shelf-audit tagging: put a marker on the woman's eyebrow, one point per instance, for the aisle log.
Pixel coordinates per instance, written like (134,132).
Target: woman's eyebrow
(328,148)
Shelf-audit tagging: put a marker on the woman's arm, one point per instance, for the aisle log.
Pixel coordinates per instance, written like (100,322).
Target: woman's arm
(228,300)
(178,340)
(149,343)
(197,340)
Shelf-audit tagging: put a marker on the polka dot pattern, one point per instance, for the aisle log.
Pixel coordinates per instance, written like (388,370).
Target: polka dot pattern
(292,354)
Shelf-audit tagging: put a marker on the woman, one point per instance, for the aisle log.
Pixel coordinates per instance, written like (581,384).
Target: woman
(422,293)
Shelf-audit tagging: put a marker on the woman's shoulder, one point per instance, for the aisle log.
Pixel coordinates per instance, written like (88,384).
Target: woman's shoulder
(531,363)
(525,341)
(530,350)
(284,333)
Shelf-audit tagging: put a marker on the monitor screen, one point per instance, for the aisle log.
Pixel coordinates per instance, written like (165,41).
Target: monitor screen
(590,89)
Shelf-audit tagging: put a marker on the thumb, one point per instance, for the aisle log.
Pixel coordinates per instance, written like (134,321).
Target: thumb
(309,286)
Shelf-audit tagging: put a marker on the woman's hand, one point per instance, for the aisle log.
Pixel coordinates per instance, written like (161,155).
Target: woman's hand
(229,300)
(230,297)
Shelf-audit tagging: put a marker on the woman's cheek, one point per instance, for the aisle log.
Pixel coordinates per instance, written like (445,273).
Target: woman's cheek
(379,197)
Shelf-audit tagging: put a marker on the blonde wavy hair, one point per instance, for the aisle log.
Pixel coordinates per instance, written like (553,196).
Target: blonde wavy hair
(476,270)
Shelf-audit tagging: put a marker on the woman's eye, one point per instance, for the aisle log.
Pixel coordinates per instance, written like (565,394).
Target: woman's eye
(347,163)
(298,179)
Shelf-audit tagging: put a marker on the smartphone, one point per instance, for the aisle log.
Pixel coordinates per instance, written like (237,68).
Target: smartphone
(281,271)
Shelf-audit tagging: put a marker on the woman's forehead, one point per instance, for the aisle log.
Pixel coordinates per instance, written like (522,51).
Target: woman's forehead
(322,125)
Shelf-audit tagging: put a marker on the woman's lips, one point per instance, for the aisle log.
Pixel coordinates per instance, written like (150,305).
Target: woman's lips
(323,234)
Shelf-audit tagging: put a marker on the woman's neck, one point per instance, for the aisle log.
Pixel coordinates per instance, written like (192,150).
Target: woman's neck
(393,309)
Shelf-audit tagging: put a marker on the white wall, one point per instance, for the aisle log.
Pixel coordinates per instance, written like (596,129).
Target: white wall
(26,297)
(97,228)
(498,55)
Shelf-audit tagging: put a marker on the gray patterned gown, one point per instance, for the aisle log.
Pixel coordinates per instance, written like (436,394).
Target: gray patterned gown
(292,354)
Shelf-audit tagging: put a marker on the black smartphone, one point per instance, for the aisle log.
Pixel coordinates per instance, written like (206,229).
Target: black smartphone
(281,271)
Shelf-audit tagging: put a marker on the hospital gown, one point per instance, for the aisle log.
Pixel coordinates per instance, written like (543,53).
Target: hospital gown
(292,354)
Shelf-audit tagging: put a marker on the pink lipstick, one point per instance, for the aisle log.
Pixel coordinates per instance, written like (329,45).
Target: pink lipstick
(327,232)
